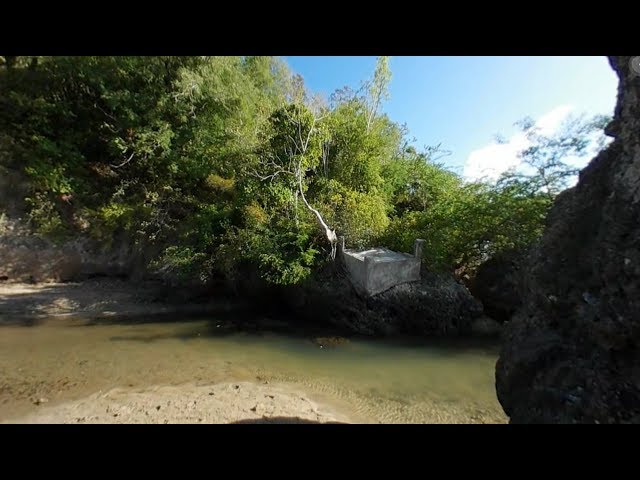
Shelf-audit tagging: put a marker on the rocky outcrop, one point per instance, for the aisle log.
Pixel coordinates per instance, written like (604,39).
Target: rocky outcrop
(486,327)
(436,305)
(497,285)
(14,186)
(572,352)
(28,257)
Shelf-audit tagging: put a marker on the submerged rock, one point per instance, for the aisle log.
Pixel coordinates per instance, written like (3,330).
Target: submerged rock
(571,353)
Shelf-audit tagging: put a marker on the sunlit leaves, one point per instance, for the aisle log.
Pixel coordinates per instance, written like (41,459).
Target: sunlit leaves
(203,159)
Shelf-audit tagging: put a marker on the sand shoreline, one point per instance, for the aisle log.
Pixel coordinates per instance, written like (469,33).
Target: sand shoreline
(228,402)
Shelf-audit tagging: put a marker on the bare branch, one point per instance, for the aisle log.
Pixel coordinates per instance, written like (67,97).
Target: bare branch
(325,158)
(296,150)
(443,153)
(124,163)
(331,234)
(107,114)
(295,208)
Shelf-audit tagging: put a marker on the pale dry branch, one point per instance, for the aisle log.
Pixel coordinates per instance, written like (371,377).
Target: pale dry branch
(125,162)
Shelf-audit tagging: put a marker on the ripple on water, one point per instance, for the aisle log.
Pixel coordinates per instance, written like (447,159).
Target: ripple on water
(375,381)
(373,405)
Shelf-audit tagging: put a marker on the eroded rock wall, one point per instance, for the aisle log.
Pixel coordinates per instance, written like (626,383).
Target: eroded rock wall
(28,257)
(571,352)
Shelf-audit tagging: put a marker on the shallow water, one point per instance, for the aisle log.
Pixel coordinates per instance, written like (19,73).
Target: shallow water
(402,381)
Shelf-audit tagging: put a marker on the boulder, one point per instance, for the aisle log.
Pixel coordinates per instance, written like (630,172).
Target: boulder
(571,353)
(497,285)
(437,305)
(486,327)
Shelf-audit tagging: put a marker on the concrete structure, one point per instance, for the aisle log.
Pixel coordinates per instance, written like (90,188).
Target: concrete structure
(376,270)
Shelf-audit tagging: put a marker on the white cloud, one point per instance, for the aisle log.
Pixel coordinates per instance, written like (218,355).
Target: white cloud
(493,159)
(549,122)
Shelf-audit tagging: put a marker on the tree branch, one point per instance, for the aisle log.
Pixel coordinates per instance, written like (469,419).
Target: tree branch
(124,163)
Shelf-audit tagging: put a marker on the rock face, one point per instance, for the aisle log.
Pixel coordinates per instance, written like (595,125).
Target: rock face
(497,285)
(26,257)
(486,327)
(435,305)
(571,353)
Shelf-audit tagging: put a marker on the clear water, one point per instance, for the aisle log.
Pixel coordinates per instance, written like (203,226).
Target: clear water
(370,380)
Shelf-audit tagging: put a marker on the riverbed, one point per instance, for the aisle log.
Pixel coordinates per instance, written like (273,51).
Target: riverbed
(50,366)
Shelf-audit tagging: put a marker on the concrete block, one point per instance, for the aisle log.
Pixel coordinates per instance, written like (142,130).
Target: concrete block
(376,270)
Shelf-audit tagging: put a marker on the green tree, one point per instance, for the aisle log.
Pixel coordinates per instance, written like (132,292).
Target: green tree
(224,167)
(545,163)
(378,88)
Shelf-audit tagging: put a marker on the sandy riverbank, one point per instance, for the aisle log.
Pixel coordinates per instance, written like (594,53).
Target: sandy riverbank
(241,402)
(24,304)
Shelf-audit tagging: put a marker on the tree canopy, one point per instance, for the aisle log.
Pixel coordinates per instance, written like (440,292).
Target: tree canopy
(215,164)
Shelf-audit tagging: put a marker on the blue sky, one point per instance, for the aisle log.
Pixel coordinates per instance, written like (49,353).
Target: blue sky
(462,102)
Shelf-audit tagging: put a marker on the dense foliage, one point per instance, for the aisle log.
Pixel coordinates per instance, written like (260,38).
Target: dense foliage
(216,164)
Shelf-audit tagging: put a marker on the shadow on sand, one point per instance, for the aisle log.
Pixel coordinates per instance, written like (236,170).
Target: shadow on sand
(284,420)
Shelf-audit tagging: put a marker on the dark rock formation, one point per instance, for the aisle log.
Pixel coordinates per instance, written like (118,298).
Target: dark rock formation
(28,257)
(436,305)
(571,353)
(14,186)
(486,327)
(497,285)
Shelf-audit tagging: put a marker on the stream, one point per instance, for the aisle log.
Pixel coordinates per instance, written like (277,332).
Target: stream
(371,381)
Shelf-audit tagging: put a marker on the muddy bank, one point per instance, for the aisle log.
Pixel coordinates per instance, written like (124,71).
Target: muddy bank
(102,299)
(241,402)
(435,306)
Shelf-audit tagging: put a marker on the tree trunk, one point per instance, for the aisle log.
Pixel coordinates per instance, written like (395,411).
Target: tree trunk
(331,234)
